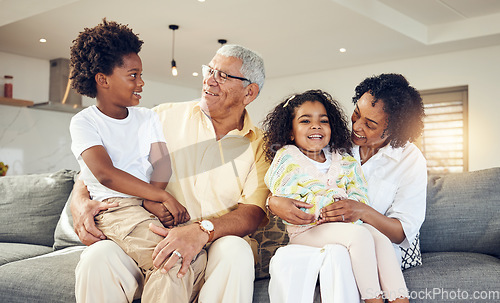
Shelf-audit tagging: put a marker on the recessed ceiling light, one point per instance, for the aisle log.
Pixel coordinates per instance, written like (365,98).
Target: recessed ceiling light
(201,0)
(342,50)
(42,40)
(195,74)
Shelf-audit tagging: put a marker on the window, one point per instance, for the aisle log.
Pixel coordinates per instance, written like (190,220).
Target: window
(444,140)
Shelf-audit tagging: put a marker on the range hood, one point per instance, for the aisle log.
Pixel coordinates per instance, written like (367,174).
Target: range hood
(62,97)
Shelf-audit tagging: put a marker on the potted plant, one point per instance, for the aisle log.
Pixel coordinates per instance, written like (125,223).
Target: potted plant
(3,169)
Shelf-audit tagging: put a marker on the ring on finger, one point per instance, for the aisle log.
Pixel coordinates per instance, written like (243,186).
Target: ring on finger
(343,218)
(178,254)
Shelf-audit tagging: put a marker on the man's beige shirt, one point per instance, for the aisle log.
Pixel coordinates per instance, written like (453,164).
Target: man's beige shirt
(211,177)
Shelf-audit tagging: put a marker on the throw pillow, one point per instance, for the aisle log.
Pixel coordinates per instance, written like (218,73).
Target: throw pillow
(411,256)
(269,238)
(30,206)
(65,235)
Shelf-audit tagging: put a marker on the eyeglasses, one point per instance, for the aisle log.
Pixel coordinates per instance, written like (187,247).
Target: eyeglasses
(220,77)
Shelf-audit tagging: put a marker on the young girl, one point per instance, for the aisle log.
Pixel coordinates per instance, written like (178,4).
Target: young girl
(307,140)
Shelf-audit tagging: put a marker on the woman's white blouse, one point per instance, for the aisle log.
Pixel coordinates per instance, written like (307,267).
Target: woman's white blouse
(397,186)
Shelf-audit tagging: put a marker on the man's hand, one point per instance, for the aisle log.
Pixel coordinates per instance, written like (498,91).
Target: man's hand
(83,210)
(190,239)
(288,210)
(160,211)
(187,240)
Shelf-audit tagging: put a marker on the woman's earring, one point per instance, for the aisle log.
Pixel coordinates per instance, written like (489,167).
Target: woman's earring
(383,134)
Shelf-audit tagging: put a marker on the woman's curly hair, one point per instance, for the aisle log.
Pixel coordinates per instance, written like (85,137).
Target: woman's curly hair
(99,50)
(278,124)
(402,104)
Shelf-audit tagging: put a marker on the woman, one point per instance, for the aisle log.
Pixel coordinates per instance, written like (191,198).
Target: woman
(387,118)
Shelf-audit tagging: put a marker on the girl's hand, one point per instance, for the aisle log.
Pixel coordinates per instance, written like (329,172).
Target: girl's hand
(288,210)
(343,211)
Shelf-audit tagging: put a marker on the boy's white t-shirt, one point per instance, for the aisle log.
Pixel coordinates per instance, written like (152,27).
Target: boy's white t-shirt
(127,141)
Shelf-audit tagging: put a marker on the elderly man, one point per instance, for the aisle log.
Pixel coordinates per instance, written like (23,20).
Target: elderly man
(218,167)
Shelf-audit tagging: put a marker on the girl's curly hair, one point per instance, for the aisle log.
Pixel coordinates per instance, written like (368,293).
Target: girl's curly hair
(99,50)
(402,103)
(278,124)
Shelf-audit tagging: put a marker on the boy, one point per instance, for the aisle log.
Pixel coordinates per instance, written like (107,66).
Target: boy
(121,149)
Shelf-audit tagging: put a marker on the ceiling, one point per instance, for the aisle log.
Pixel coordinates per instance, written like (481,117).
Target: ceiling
(293,36)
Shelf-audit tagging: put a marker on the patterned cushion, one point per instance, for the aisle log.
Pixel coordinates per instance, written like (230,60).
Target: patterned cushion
(411,256)
(269,238)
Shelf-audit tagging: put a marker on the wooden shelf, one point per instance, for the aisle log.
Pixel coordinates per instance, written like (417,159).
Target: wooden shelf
(15,102)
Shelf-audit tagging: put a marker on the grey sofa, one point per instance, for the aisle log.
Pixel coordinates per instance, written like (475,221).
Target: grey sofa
(460,240)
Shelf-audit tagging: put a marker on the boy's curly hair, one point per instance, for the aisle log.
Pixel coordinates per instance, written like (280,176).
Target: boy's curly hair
(278,124)
(402,103)
(99,50)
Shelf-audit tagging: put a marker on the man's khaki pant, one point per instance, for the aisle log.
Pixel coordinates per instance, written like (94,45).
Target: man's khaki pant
(106,273)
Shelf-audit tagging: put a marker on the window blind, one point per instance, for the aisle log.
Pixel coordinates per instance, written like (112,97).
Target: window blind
(444,139)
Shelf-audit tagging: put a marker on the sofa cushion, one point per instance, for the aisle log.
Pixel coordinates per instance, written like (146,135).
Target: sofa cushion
(444,275)
(30,206)
(261,292)
(462,213)
(269,238)
(47,278)
(10,252)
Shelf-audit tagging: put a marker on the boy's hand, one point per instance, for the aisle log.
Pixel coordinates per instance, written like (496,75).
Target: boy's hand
(160,211)
(178,211)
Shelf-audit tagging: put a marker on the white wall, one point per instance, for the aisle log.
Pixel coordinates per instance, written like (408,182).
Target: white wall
(38,141)
(31,76)
(478,68)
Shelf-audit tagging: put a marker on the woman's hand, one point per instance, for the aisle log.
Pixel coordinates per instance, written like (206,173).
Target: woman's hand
(350,211)
(160,211)
(288,210)
(343,211)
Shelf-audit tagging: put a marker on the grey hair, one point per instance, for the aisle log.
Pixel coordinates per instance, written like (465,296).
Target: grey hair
(253,64)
